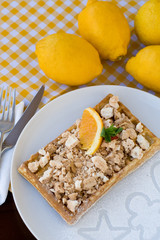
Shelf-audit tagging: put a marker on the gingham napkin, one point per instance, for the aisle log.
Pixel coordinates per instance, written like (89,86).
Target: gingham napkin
(5,162)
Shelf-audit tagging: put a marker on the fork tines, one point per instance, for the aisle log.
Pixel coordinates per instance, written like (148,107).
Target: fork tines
(7,104)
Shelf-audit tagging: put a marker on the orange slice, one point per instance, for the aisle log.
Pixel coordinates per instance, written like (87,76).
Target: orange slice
(90,130)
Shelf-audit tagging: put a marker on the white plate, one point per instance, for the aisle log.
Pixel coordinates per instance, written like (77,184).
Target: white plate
(115,215)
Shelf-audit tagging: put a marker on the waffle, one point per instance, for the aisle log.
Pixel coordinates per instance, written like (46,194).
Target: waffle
(89,197)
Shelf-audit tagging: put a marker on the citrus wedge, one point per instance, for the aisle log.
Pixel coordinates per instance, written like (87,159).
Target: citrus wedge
(90,131)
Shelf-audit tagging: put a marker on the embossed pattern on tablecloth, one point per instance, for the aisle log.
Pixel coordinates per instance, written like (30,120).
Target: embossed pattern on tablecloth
(24,22)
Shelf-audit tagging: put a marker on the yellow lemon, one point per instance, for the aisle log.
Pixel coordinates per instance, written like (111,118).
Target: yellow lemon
(68,59)
(147,23)
(90,130)
(106,28)
(145,67)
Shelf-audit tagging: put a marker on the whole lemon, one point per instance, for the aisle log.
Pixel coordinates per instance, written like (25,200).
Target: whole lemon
(147,23)
(106,28)
(68,59)
(145,67)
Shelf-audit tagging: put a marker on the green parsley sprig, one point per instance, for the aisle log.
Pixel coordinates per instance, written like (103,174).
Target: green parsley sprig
(109,133)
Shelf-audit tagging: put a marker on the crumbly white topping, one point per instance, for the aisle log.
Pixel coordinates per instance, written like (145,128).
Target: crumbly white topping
(113,101)
(56,164)
(144,144)
(72,204)
(139,127)
(107,112)
(128,133)
(71,175)
(107,123)
(100,163)
(46,175)
(71,142)
(137,152)
(89,182)
(42,151)
(105,179)
(44,160)
(33,166)
(128,144)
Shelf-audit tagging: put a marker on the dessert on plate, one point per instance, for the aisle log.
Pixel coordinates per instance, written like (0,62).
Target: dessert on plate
(77,168)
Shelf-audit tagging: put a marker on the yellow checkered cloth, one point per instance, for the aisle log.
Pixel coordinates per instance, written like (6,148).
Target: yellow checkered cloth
(24,22)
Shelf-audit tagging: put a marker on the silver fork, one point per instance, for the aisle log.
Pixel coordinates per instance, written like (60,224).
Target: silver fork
(8,112)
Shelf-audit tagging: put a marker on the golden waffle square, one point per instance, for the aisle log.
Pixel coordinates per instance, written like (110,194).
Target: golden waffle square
(72,181)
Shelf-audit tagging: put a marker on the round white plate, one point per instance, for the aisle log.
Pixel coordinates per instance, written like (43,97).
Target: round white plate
(115,215)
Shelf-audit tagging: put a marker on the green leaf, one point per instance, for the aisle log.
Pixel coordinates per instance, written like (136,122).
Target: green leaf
(118,130)
(103,132)
(112,131)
